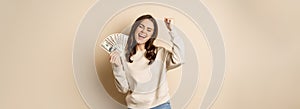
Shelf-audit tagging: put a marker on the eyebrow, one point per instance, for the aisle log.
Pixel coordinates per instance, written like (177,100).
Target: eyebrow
(147,27)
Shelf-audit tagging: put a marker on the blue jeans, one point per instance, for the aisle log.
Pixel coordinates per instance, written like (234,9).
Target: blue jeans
(165,105)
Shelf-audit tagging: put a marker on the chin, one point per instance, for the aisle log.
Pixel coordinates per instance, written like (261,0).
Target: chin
(140,43)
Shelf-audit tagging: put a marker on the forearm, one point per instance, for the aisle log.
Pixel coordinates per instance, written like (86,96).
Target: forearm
(177,47)
(120,79)
(176,56)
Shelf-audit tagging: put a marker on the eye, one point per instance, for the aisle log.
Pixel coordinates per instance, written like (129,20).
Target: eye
(141,26)
(149,29)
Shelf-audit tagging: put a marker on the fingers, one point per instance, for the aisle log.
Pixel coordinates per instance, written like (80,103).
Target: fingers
(115,58)
(112,59)
(168,20)
(168,23)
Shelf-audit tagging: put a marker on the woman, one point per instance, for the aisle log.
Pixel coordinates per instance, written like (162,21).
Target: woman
(140,71)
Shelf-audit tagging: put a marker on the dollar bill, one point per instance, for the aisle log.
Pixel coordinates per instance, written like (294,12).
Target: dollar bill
(114,42)
(108,47)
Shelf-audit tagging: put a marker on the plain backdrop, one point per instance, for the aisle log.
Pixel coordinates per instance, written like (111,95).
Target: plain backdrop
(261,39)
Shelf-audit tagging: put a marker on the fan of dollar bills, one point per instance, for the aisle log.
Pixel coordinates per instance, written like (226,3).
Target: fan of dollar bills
(116,41)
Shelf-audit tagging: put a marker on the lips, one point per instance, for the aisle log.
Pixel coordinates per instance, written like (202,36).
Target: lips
(142,35)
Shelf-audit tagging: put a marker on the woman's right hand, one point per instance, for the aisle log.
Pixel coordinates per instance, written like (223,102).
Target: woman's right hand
(168,23)
(115,58)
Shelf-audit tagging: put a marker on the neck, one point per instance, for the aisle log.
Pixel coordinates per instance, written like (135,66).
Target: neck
(140,47)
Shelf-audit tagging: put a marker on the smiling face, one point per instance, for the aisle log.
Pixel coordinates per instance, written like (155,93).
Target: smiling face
(142,34)
(144,31)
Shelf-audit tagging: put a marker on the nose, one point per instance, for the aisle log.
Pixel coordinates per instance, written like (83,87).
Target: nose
(143,30)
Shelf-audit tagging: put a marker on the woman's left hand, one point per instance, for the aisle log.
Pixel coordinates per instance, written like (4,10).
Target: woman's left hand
(168,23)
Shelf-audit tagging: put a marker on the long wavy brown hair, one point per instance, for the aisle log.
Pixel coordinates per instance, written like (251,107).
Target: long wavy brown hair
(151,50)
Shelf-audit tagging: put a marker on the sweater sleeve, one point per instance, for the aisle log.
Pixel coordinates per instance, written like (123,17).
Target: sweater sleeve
(175,57)
(120,78)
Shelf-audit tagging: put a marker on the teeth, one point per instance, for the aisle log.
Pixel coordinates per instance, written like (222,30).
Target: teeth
(142,35)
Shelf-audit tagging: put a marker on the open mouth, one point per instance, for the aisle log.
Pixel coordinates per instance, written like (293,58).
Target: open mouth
(141,35)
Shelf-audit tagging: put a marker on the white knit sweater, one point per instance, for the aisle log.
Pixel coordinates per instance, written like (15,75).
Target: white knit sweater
(146,85)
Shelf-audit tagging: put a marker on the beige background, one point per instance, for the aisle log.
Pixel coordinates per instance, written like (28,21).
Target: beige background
(261,40)
(118,23)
